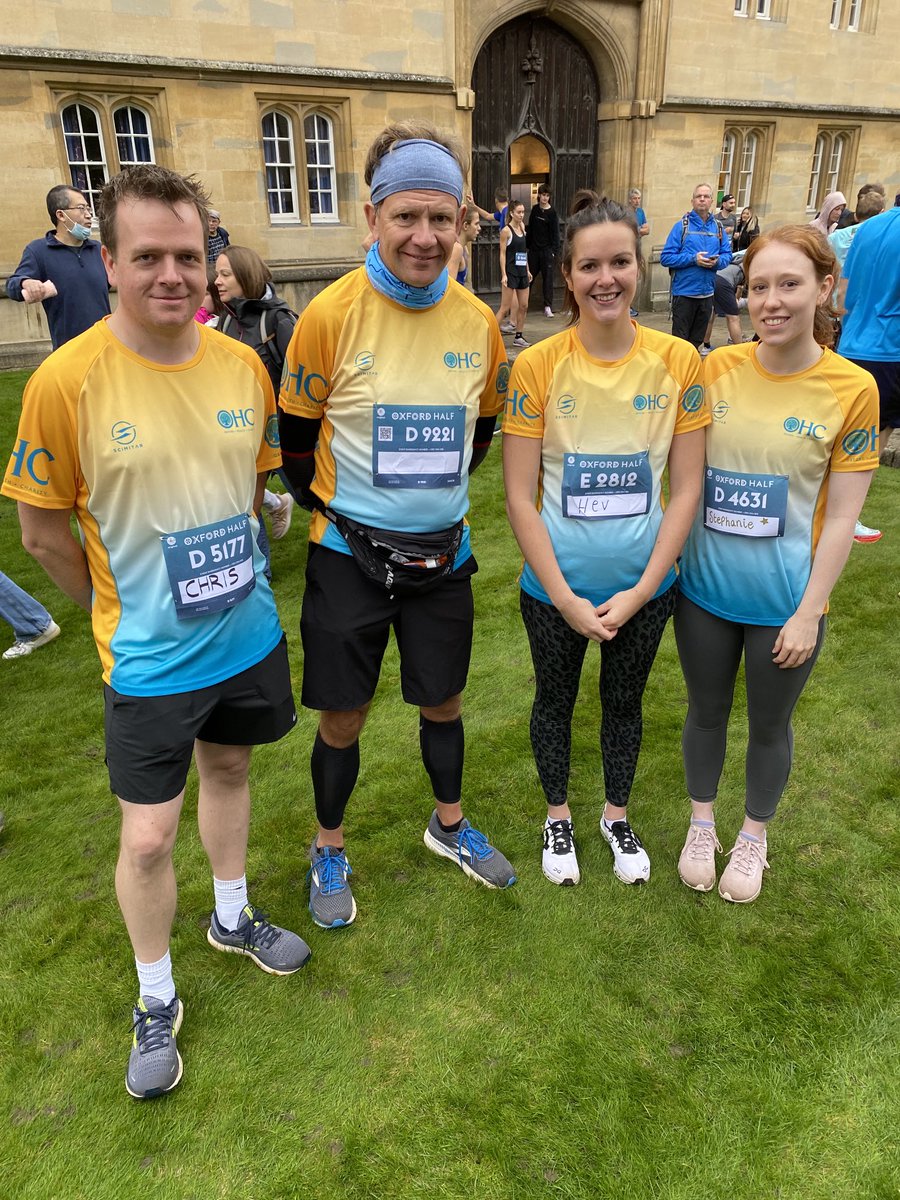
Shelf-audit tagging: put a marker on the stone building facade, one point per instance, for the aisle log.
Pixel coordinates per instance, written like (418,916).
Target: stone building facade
(273,104)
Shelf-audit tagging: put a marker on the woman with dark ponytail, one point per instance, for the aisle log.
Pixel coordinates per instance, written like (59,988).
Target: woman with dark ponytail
(788,465)
(594,418)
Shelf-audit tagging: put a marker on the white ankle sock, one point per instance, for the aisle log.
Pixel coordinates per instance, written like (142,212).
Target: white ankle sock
(231,896)
(155,979)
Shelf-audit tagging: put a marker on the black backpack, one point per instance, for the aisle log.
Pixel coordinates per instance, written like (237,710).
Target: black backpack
(266,341)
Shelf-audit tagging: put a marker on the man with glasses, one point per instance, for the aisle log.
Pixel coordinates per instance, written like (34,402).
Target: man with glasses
(63,269)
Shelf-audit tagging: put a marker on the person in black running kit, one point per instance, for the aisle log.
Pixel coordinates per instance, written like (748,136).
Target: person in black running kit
(514,272)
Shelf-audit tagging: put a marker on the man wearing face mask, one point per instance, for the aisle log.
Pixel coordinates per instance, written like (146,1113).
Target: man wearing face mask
(63,269)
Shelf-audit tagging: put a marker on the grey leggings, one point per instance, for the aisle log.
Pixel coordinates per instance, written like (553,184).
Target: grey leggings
(710,650)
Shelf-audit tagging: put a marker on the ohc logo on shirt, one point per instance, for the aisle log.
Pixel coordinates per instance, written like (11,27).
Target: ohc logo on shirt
(462,361)
(309,383)
(858,441)
(651,403)
(235,418)
(23,457)
(515,402)
(799,428)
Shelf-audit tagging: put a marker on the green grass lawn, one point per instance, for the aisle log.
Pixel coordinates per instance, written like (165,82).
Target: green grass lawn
(592,1042)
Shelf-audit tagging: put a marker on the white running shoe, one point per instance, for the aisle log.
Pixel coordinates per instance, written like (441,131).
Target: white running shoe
(862,533)
(631,863)
(548,312)
(558,861)
(24,646)
(281,517)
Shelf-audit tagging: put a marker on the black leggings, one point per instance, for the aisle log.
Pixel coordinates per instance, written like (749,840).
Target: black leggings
(557,652)
(710,650)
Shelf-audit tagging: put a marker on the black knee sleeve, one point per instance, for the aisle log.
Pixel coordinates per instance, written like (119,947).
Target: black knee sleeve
(334,774)
(443,750)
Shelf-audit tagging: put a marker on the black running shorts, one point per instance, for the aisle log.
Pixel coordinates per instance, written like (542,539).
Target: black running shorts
(150,739)
(345,624)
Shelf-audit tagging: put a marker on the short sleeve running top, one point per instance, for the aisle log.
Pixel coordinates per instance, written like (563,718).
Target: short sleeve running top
(770,451)
(606,429)
(398,392)
(159,464)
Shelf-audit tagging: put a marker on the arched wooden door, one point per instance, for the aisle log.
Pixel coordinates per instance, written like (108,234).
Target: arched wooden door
(534,87)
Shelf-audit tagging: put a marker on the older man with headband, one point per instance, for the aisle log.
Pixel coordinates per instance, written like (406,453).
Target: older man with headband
(393,380)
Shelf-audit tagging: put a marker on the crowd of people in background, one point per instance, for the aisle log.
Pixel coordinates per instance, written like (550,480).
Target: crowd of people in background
(758,524)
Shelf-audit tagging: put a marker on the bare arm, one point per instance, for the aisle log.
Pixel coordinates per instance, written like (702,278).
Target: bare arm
(505,235)
(686,457)
(797,638)
(456,258)
(521,465)
(47,536)
(260,490)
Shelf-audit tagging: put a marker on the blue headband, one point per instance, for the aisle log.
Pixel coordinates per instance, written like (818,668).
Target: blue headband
(417,165)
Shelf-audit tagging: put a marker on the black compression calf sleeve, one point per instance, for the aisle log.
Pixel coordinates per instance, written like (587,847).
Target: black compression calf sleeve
(334,775)
(443,750)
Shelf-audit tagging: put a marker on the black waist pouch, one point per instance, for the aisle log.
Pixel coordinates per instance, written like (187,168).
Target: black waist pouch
(401,563)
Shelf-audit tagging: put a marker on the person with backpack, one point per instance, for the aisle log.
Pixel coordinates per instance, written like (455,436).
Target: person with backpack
(253,314)
(697,247)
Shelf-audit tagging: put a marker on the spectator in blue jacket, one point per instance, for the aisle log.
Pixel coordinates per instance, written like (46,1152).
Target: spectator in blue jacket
(63,269)
(697,247)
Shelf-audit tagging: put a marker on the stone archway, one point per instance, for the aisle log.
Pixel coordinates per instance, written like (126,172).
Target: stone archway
(535,87)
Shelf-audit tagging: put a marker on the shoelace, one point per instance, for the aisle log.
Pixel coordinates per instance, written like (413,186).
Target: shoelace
(475,843)
(744,855)
(333,872)
(561,834)
(626,839)
(152,1030)
(699,846)
(259,932)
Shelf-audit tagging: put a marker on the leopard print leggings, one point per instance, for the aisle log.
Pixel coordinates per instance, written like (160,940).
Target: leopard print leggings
(557,652)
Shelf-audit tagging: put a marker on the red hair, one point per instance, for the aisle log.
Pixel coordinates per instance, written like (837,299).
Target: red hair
(813,243)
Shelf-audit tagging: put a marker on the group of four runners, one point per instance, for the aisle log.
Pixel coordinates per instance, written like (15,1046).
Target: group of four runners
(392,384)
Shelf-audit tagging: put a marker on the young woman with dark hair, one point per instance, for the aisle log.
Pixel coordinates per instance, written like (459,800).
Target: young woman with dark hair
(594,418)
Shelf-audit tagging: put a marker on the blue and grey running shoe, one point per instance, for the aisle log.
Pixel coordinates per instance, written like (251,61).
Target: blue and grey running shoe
(330,899)
(472,851)
(276,950)
(154,1065)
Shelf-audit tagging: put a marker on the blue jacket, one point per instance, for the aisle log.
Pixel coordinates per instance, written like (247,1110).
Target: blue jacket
(680,255)
(80,279)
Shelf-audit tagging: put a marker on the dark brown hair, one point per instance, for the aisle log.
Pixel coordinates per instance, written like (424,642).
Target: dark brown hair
(147,181)
(590,209)
(250,271)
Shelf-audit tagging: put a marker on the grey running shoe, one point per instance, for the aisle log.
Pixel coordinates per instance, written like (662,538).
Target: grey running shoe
(472,851)
(330,899)
(154,1065)
(276,950)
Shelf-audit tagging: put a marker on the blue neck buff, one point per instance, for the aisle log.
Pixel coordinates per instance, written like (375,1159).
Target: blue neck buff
(385,282)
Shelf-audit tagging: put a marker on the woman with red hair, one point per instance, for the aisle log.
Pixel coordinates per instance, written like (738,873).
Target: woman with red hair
(789,459)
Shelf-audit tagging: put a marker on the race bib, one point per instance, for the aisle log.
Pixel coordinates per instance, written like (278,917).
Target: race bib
(417,447)
(522,258)
(748,505)
(599,487)
(210,568)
